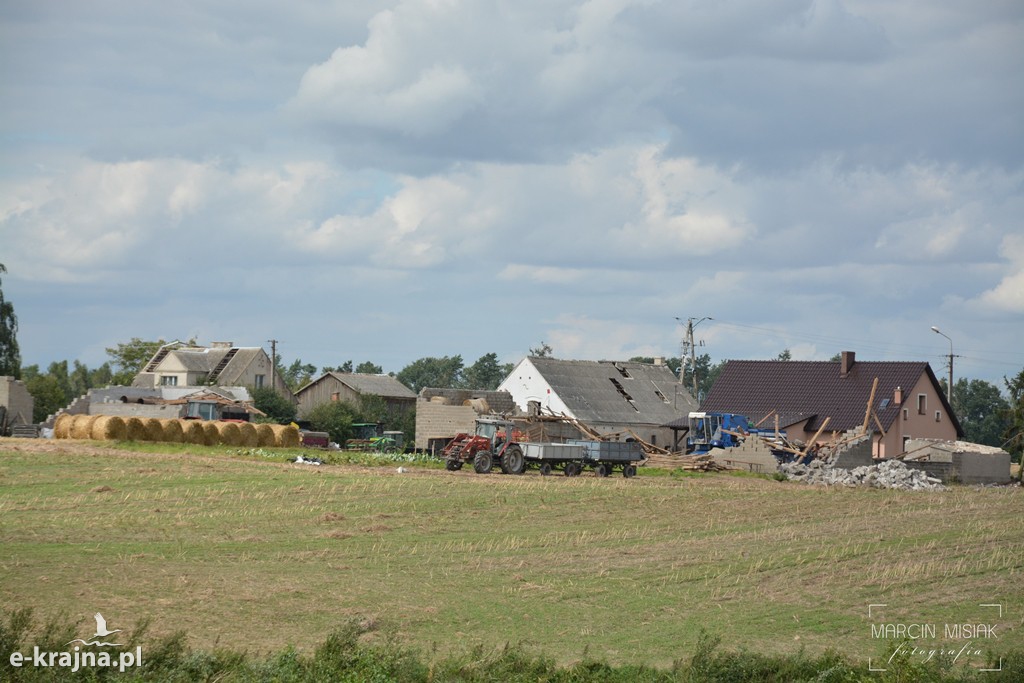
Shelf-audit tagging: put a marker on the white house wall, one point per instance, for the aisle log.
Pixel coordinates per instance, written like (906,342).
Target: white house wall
(526,384)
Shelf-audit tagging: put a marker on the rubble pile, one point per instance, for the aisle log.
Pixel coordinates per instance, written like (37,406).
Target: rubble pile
(889,474)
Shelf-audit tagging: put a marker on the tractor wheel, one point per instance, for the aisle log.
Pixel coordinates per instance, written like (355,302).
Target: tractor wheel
(483,462)
(452,465)
(629,471)
(545,469)
(514,462)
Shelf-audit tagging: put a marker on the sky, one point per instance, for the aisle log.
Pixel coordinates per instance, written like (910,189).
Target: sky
(390,180)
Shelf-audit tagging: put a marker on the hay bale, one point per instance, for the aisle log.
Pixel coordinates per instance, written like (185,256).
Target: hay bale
(286,436)
(62,426)
(81,426)
(211,435)
(173,432)
(192,432)
(109,428)
(135,429)
(154,430)
(248,435)
(229,433)
(265,435)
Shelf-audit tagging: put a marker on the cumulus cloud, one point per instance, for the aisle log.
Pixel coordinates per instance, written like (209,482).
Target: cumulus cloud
(1008,295)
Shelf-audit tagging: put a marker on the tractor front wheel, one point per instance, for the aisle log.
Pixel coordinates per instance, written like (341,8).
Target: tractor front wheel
(483,462)
(452,465)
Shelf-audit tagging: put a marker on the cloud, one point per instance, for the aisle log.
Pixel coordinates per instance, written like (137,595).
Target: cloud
(1008,295)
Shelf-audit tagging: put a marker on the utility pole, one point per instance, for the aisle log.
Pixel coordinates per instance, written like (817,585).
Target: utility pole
(949,390)
(689,347)
(273,364)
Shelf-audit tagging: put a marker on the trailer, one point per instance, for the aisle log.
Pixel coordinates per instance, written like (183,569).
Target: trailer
(574,456)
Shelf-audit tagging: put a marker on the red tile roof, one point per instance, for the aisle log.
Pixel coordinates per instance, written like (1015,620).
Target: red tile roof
(816,389)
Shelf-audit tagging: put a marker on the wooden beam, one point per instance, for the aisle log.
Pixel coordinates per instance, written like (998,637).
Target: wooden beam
(871,402)
(816,435)
(765,418)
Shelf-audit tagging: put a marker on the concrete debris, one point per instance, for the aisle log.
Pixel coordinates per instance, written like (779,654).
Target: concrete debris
(888,474)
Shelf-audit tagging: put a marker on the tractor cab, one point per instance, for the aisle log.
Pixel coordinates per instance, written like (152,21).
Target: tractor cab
(714,430)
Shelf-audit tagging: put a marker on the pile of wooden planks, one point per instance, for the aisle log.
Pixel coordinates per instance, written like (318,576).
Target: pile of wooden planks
(696,463)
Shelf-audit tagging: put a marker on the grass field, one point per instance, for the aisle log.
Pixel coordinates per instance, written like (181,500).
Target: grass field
(251,553)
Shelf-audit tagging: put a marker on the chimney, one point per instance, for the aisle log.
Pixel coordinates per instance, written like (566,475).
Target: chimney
(659,360)
(848,360)
(221,345)
(897,397)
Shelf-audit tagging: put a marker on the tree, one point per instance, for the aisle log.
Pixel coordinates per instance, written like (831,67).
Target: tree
(46,392)
(278,408)
(1014,434)
(442,373)
(296,375)
(335,418)
(368,368)
(542,351)
(486,372)
(785,354)
(130,358)
(981,410)
(345,368)
(10,356)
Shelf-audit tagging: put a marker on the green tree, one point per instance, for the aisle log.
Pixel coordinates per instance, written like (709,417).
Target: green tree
(785,354)
(368,368)
(542,351)
(981,410)
(129,359)
(335,418)
(296,375)
(1013,437)
(10,356)
(442,373)
(345,368)
(46,391)
(278,408)
(486,372)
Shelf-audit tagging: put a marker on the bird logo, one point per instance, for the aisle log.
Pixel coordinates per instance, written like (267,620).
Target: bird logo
(101,632)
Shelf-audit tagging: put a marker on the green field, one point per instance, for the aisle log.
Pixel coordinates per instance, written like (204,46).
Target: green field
(254,554)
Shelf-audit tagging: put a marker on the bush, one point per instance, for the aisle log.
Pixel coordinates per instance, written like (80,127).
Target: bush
(278,408)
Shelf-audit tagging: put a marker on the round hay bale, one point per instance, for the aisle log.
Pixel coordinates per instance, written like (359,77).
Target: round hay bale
(62,426)
(192,432)
(248,435)
(211,435)
(479,405)
(286,436)
(440,400)
(172,431)
(265,435)
(81,427)
(229,434)
(109,428)
(135,429)
(154,430)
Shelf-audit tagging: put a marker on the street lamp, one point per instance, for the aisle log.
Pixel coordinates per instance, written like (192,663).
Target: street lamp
(949,391)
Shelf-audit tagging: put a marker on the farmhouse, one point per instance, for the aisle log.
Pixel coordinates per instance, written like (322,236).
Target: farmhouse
(339,386)
(908,402)
(611,397)
(220,364)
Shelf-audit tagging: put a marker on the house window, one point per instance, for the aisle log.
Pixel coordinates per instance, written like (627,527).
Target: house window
(335,396)
(938,416)
(654,439)
(922,404)
(259,381)
(168,380)
(906,415)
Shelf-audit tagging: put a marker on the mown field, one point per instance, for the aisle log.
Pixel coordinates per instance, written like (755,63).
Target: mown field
(254,554)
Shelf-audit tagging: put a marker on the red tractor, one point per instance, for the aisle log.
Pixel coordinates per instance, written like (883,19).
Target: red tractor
(495,442)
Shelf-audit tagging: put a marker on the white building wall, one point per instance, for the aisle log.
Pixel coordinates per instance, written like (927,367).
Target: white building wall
(526,384)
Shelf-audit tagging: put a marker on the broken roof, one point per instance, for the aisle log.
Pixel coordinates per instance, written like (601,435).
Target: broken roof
(497,401)
(799,390)
(616,392)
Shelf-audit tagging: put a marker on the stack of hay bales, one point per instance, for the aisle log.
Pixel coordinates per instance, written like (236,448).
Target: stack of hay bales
(200,432)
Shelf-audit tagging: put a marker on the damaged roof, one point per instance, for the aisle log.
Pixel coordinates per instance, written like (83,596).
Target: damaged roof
(616,392)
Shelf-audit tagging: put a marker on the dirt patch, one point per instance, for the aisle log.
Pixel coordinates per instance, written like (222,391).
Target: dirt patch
(103,489)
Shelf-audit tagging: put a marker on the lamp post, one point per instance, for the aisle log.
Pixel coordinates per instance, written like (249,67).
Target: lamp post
(949,391)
